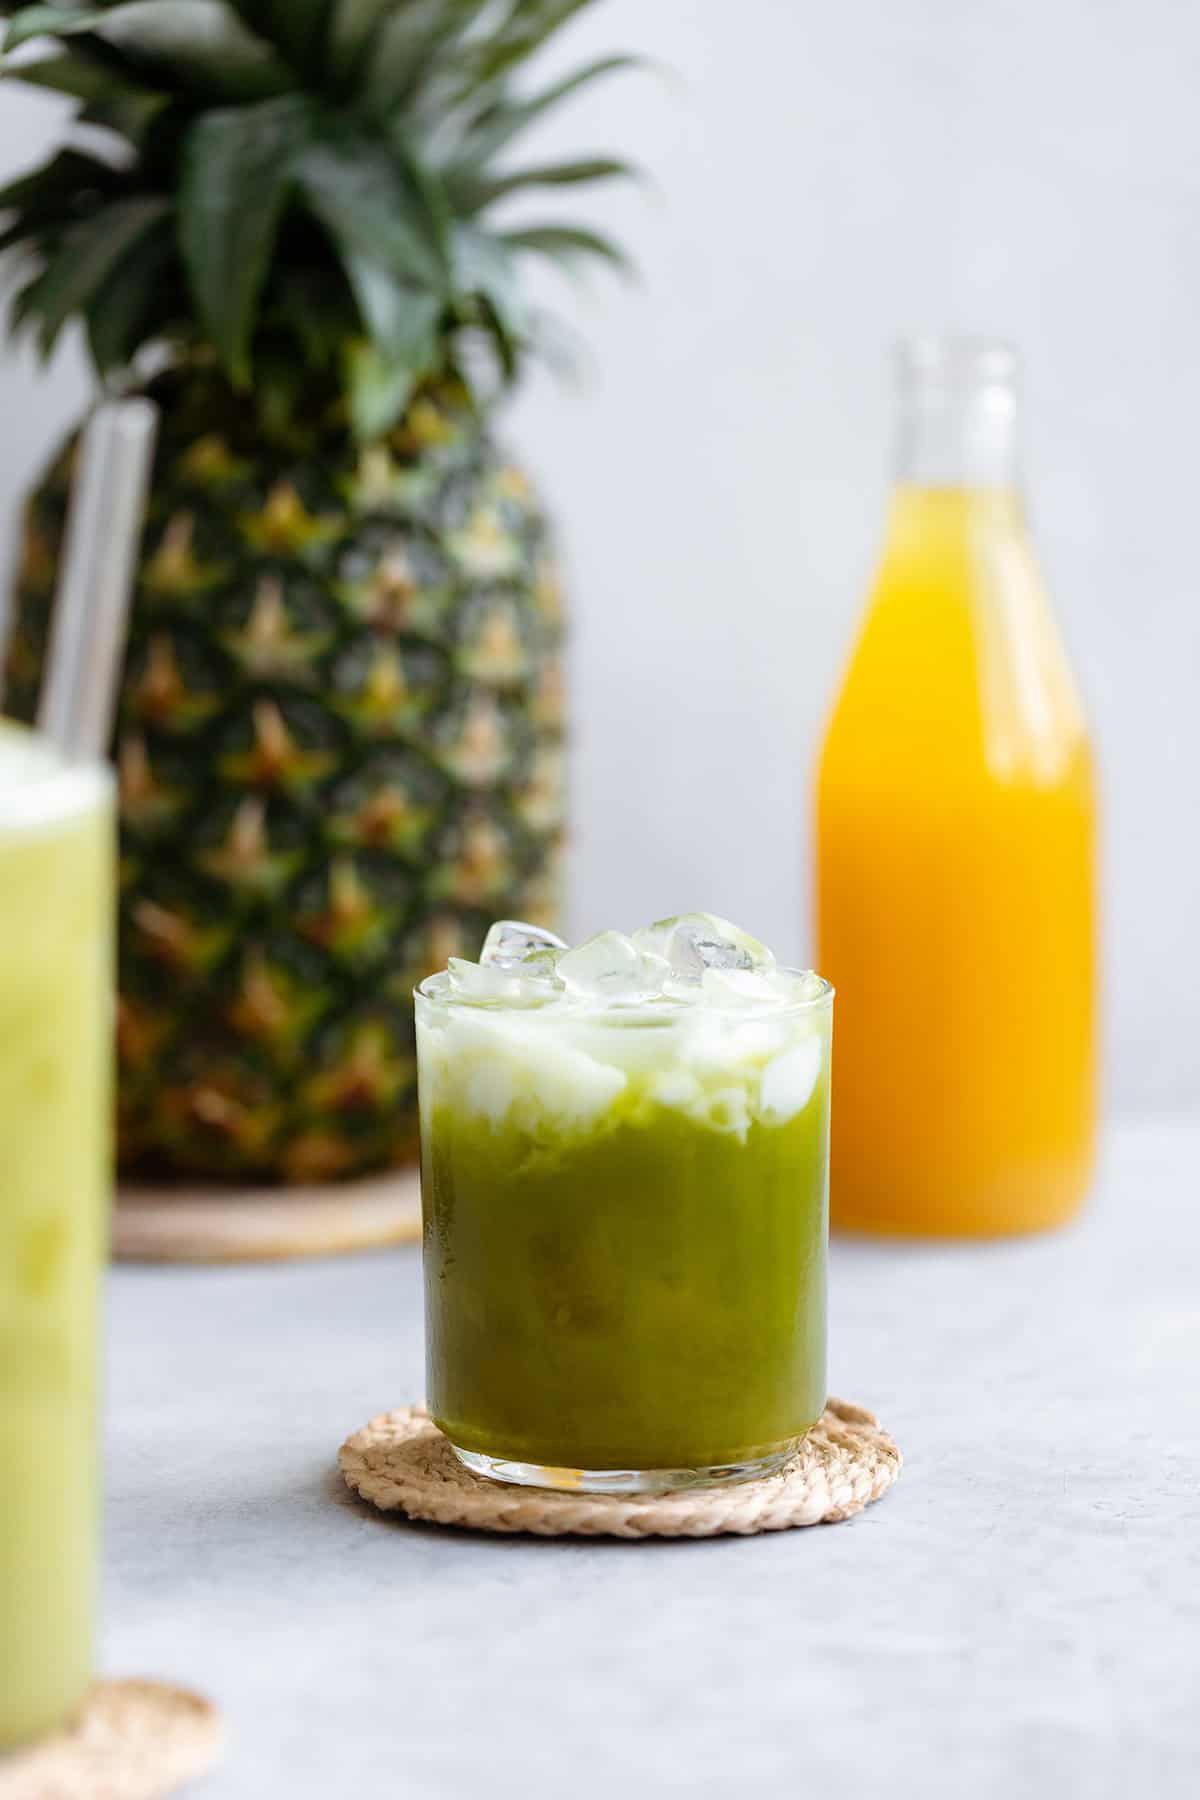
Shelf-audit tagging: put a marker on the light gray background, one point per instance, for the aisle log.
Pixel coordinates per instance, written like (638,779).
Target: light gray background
(823,177)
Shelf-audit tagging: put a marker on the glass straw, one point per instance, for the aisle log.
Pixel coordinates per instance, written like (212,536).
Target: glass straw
(91,606)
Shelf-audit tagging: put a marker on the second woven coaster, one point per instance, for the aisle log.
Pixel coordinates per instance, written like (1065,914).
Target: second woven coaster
(400,1462)
(131,1740)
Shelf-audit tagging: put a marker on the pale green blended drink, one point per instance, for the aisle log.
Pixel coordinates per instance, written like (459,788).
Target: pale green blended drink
(624,1176)
(56,900)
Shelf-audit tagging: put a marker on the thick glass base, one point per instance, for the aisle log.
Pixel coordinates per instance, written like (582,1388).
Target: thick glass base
(620,1481)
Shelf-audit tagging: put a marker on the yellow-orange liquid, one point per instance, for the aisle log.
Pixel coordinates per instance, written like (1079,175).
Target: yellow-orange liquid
(955,888)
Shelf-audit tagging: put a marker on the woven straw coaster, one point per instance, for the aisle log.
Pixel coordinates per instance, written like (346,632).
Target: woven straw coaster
(131,1740)
(400,1462)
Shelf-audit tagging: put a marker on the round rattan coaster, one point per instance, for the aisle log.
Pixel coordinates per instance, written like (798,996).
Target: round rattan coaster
(400,1462)
(131,1740)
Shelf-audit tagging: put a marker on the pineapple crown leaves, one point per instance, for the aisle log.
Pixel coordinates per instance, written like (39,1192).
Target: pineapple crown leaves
(292,185)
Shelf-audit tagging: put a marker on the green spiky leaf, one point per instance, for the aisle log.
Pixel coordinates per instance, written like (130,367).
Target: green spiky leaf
(351,30)
(298,27)
(68,176)
(48,21)
(134,302)
(366,197)
(529,25)
(129,114)
(379,389)
(238,165)
(199,44)
(402,321)
(565,244)
(85,255)
(403,42)
(472,195)
(500,122)
(486,275)
(67,72)
(483,265)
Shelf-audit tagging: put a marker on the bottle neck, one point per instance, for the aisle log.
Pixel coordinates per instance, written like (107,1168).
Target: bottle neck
(957,415)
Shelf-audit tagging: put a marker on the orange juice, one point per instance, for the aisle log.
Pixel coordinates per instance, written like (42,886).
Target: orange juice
(955,884)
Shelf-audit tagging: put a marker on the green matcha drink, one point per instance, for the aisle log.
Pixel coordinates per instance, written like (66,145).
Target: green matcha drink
(56,882)
(624,1172)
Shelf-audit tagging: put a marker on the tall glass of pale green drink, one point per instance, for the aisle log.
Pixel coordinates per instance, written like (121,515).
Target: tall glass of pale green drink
(56,897)
(624,1176)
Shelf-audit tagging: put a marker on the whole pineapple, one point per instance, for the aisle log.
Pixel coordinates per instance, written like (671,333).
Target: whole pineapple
(339,734)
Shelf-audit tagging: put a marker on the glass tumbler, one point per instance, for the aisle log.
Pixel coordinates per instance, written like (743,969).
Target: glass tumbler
(625,1223)
(56,903)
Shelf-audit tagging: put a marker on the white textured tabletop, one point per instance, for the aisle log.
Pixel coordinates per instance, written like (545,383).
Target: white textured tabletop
(1020,1617)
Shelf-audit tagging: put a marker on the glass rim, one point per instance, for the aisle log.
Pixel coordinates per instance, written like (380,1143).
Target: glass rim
(46,787)
(660,1010)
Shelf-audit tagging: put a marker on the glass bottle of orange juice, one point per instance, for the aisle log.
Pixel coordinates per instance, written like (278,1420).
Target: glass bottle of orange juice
(955,845)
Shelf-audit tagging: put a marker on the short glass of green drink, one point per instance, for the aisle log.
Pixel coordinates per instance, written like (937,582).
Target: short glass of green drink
(624,1153)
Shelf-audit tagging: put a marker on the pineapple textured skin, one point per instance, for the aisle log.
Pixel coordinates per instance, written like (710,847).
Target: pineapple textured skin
(340,753)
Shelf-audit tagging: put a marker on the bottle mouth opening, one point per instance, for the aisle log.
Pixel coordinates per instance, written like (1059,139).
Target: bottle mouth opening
(951,362)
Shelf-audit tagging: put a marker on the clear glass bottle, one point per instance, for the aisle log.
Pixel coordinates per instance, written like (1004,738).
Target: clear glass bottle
(955,844)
